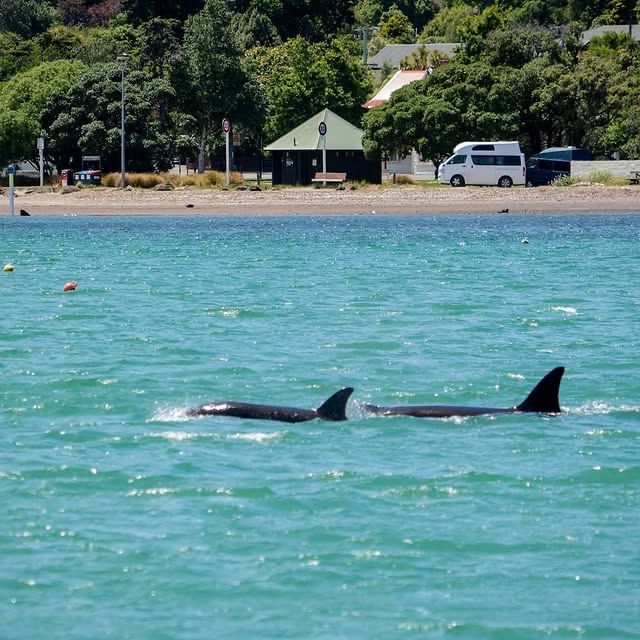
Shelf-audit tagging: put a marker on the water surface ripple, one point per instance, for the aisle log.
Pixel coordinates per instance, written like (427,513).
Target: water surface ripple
(123,518)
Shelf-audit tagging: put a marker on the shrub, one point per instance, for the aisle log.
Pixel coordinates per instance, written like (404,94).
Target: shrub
(404,178)
(209,179)
(111,180)
(564,181)
(144,180)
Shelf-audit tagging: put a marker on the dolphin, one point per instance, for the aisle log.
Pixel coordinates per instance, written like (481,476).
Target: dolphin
(334,408)
(543,399)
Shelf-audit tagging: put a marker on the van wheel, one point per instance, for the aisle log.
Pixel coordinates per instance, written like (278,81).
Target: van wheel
(505,182)
(457,181)
(529,183)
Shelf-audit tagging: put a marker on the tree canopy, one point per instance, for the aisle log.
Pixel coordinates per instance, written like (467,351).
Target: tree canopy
(521,71)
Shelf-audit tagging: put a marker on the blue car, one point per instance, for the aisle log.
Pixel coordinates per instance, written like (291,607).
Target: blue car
(552,163)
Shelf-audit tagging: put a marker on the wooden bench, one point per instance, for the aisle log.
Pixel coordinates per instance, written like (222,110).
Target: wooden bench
(329,177)
(634,178)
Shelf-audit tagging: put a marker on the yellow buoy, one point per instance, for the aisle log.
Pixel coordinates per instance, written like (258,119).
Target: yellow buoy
(8,267)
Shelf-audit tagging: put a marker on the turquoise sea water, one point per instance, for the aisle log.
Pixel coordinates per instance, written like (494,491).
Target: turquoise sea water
(123,518)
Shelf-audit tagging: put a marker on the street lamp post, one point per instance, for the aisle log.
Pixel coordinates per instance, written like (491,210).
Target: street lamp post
(122,58)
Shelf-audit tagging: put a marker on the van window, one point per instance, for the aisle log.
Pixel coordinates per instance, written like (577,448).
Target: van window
(561,165)
(483,160)
(508,161)
(483,147)
(545,165)
(459,159)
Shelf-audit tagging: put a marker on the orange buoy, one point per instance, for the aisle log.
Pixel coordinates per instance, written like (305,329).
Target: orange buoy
(70,286)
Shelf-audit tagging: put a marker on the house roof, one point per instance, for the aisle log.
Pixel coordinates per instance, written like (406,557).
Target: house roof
(588,35)
(341,135)
(393,54)
(399,79)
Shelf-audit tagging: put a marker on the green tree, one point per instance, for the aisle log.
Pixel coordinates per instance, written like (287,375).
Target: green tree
(17,54)
(86,119)
(367,13)
(222,83)
(448,24)
(22,100)
(60,43)
(300,78)
(102,45)
(396,28)
(517,46)
(607,91)
(26,17)
(253,29)
(160,45)
(477,27)
(315,20)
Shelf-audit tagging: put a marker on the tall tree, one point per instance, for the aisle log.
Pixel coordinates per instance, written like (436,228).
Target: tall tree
(301,78)
(86,119)
(22,100)
(221,81)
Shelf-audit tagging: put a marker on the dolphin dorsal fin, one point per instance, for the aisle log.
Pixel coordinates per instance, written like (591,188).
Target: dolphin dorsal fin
(544,397)
(334,408)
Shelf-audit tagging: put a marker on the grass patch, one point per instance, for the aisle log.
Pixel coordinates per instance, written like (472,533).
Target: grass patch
(595,177)
(607,178)
(207,180)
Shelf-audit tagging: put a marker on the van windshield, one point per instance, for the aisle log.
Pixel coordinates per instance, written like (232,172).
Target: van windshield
(458,159)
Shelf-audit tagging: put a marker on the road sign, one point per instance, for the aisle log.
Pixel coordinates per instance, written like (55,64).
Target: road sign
(226,125)
(40,143)
(322,128)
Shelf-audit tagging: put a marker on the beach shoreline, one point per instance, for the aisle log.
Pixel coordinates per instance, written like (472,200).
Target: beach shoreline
(403,200)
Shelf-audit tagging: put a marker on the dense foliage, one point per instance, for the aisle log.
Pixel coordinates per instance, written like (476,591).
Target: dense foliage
(521,72)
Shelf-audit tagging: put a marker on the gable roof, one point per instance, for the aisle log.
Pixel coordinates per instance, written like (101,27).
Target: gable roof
(588,35)
(341,135)
(399,79)
(394,54)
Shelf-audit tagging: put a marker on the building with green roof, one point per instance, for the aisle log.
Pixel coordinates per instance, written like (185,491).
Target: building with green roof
(297,155)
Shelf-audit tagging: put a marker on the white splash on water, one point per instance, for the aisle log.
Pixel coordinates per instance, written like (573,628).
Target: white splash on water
(570,311)
(179,436)
(257,436)
(170,414)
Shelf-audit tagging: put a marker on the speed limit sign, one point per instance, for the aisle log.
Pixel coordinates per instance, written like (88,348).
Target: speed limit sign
(226,125)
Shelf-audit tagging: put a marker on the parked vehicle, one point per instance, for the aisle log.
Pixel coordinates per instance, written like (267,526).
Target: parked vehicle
(552,163)
(484,163)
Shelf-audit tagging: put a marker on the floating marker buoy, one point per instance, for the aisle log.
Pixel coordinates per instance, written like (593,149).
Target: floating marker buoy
(70,286)
(524,241)
(8,267)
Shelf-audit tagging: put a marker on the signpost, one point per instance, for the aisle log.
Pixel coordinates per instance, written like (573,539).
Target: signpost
(226,127)
(322,130)
(11,172)
(41,152)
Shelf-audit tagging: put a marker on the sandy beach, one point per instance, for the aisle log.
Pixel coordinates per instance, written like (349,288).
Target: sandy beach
(311,201)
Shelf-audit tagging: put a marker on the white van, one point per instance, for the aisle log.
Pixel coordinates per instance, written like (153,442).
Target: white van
(484,163)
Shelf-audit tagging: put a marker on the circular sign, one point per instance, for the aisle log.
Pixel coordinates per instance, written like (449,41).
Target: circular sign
(226,125)
(322,128)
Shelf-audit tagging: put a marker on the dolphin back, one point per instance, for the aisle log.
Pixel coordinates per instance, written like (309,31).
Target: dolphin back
(544,397)
(335,407)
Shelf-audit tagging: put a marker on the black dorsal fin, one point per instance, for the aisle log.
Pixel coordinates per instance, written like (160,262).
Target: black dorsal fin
(544,397)
(335,407)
